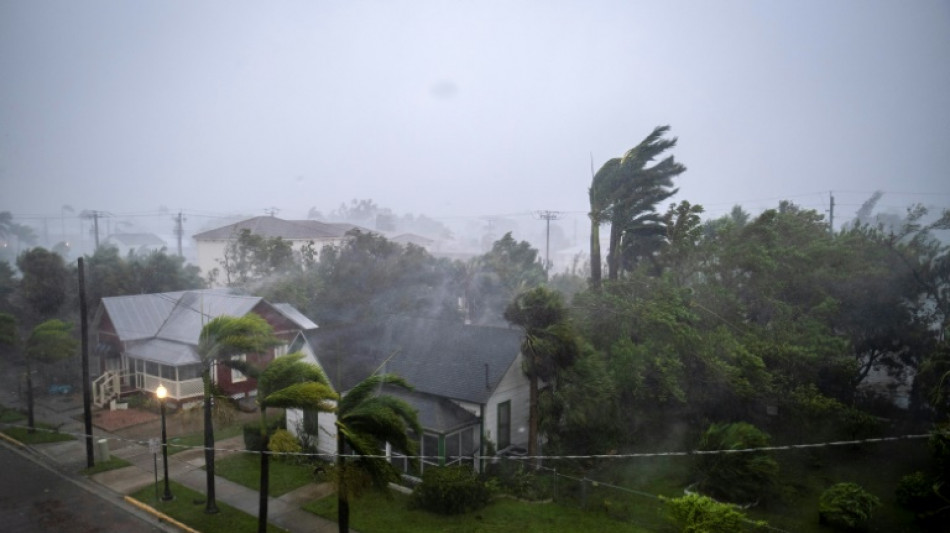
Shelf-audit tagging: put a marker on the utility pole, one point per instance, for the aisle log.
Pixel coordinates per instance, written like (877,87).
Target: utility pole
(831,214)
(94,215)
(179,231)
(548,216)
(272,211)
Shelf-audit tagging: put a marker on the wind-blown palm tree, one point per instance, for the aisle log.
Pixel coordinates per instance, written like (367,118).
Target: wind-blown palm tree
(625,192)
(221,339)
(367,419)
(549,345)
(288,382)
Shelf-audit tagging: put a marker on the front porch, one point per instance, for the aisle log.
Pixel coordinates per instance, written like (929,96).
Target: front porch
(183,383)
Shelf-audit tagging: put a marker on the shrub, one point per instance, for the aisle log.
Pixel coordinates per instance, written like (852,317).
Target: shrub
(740,477)
(915,492)
(450,490)
(253,441)
(695,513)
(846,506)
(282,441)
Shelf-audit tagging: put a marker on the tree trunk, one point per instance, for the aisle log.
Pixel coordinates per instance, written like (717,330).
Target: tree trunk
(211,505)
(613,255)
(533,419)
(265,488)
(343,504)
(265,476)
(30,422)
(595,266)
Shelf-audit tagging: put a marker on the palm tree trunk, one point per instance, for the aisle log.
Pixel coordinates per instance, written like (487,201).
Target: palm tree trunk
(613,255)
(595,267)
(265,489)
(343,504)
(30,422)
(533,418)
(211,506)
(265,476)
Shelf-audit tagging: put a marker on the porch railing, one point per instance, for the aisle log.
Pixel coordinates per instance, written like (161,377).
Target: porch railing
(177,390)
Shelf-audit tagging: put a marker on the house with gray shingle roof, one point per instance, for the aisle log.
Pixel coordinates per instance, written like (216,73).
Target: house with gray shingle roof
(145,340)
(212,244)
(469,386)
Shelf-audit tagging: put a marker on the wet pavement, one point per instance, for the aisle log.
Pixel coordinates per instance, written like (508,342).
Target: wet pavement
(69,458)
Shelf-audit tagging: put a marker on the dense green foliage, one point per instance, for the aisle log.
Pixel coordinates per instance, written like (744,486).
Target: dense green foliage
(846,506)
(694,513)
(740,477)
(450,490)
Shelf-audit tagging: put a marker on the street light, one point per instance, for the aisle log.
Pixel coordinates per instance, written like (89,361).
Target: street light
(161,392)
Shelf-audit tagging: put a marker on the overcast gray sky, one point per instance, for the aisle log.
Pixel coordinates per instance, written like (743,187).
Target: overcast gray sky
(466,108)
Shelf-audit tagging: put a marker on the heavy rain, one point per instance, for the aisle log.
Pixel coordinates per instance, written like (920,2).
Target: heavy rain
(496,266)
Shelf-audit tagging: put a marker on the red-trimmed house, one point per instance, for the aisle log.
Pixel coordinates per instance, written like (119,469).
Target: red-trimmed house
(147,339)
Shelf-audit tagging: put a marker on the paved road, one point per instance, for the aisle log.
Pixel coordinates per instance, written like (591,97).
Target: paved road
(36,498)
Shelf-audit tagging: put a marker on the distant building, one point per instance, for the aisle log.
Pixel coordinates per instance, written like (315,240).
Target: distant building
(137,243)
(210,245)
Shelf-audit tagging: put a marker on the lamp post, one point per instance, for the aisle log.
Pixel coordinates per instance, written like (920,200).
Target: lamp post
(161,392)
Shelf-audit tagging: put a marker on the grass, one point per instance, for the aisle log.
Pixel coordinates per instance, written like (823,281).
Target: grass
(197,439)
(114,463)
(245,469)
(375,513)
(44,434)
(9,416)
(184,509)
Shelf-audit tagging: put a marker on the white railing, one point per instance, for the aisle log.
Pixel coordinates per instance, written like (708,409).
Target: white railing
(176,389)
(106,387)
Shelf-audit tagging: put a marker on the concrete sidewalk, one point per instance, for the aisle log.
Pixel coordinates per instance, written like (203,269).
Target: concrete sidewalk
(184,468)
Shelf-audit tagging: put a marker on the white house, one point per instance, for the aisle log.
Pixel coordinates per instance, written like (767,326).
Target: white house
(210,245)
(468,381)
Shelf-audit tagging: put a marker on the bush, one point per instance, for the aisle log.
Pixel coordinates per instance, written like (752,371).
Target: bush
(283,442)
(450,490)
(253,440)
(846,506)
(694,513)
(737,477)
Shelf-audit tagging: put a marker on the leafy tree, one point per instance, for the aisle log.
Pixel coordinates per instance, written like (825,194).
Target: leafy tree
(694,513)
(43,286)
(738,477)
(110,274)
(221,339)
(625,192)
(846,506)
(549,344)
(368,418)
(9,332)
(48,342)
(253,257)
(8,285)
(287,382)
(494,279)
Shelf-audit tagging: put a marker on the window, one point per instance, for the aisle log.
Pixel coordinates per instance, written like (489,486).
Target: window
(311,422)
(504,424)
(236,375)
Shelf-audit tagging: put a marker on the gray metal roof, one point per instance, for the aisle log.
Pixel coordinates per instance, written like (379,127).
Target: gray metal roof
(271,227)
(175,316)
(447,359)
(298,318)
(137,239)
(164,352)
(435,414)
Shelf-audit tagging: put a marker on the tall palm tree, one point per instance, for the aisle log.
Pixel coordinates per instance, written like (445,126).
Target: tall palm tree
(288,382)
(221,339)
(625,192)
(367,419)
(549,345)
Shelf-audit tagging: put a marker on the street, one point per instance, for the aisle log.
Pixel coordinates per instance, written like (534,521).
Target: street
(34,497)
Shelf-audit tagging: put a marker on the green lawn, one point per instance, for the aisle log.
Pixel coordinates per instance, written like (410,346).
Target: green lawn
(9,416)
(197,439)
(245,469)
(184,509)
(113,463)
(44,434)
(374,513)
